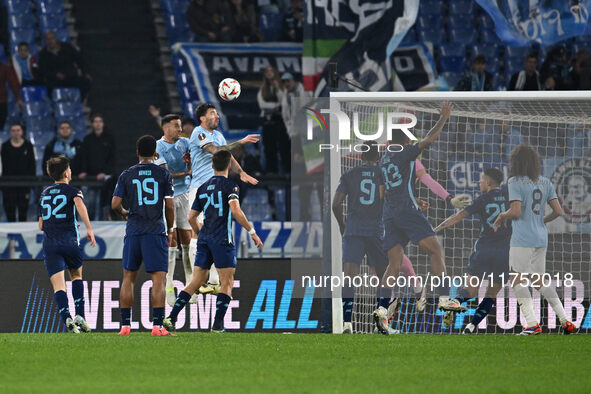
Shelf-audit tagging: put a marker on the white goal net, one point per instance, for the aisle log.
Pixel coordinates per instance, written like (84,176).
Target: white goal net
(481,133)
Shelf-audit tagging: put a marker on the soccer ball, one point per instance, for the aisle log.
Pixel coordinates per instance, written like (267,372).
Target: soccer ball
(229,89)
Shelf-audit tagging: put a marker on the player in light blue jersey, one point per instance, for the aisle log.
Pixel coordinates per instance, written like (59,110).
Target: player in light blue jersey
(205,141)
(529,192)
(173,154)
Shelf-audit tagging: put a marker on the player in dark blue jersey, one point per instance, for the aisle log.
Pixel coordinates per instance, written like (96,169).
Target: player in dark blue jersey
(148,190)
(363,230)
(402,216)
(58,205)
(491,250)
(218,200)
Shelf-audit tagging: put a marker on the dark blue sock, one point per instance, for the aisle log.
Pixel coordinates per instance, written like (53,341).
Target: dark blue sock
(221,306)
(125,316)
(384,296)
(158,315)
(348,295)
(180,303)
(483,309)
(61,299)
(463,295)
(78,294)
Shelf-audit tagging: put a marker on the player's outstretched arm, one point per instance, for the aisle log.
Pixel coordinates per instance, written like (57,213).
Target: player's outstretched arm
(40,224)
(556,211)
(193,221)
(81,208)
(249,139)
(241,218)
(337,210)
(117,206)
(244,177)
(169,213)
(514,212)
(452,220)
(444,114)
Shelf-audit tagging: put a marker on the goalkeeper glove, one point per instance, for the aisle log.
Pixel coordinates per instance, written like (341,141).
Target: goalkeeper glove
(460,201)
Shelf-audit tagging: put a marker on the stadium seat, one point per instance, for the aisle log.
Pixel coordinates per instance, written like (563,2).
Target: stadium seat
(454,49)
(175,6)
(456,64)
(461,22)
(33,93)
(50,6)
(432,35)
(67,110)
(65,95)
(52,21)
(459,7)
(18,6)
(22,35)
(430,22)
(517,52)
(256,205)
(280,203)
(489,36)
(39,124)
(490,51)
(79,126)
(485,22)
(18,21)
(271,26)
(431,7)
(513,67)
(463,36)
(493,66)
(37,109)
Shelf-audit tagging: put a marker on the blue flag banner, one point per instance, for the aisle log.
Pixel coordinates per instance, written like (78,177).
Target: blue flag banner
(520,22)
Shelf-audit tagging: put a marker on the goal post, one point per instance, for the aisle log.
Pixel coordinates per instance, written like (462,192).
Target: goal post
(481,132)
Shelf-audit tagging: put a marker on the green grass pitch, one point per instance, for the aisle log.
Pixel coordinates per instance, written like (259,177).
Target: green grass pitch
(299,363)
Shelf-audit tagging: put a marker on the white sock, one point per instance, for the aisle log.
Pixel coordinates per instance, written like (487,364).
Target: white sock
(551,296)
(525,304)
(214,278)
(187,264)
(171,265)
(192,251)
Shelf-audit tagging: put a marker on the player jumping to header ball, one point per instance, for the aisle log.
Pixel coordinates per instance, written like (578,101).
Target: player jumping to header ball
(218,200)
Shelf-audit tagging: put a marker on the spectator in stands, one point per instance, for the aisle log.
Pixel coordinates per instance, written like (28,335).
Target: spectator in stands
(18,159)
(241,17)
(556,66)
(576,72)
(290,101)
(478,79)
(294,22)
(528,78)
(96,159)
(63,144)
(7,77)
(188,125)
(25,66)
(275,138)
(61,65)
(206,20)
